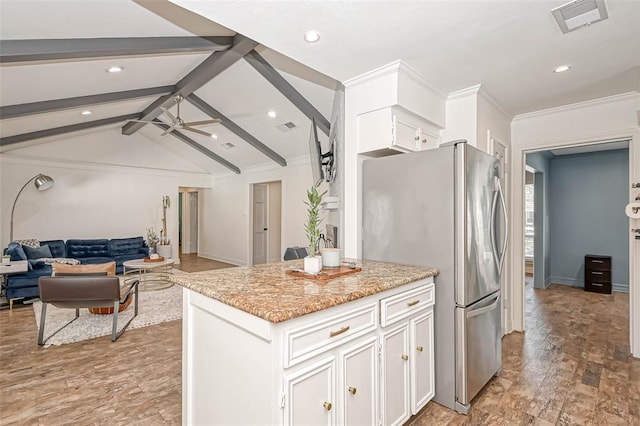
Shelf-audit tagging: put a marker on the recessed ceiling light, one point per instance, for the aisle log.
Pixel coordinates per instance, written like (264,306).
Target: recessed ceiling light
(562,68)
(87,112)
(311,36)
(227,145)
(214,136)
(115,69)
(272,114)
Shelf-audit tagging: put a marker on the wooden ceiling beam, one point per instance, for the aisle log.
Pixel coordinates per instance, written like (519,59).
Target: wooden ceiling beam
(21,110)
(239,131)
(279,82)
(195,145)
(208,69)
(10,140)
(33,50)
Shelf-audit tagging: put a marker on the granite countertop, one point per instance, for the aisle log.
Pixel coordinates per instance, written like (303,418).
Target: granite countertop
(268,292)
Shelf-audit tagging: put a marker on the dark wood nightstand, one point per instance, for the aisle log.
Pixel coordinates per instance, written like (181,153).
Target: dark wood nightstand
(597,273)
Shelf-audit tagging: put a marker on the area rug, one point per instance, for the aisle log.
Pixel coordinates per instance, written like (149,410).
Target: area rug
(154,307)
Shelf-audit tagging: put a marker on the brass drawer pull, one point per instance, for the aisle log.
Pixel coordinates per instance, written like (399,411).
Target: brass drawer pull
(420,348)
(415,302)
(352,390)
(336,333)
(327,405)
(405,357)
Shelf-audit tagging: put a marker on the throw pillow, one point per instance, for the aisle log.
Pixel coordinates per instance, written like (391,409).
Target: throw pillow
(33,243)
(36,264)
(16,252)
(37,253)
(61,268)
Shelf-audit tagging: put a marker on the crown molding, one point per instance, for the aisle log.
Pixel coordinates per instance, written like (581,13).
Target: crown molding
(95,166)
(463,93)
(494,102)
(579,105)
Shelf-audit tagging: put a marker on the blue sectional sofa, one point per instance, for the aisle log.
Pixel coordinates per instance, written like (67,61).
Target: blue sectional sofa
(86,251)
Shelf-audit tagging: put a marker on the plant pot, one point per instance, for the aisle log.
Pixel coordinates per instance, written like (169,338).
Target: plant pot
(164,250)
(312,264)
(330,257)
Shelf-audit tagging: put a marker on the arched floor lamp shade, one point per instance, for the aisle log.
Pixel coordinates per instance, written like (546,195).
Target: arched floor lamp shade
(42,183)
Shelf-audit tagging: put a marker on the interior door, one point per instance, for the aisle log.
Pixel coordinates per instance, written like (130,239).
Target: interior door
(260,223)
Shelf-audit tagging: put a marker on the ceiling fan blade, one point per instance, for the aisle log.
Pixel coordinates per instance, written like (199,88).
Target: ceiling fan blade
(168,114)
(169,130)
(202,123)
(191,129)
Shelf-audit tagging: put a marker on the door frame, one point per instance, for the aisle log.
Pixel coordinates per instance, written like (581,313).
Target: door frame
(516,314)
(249,258)
(267,205)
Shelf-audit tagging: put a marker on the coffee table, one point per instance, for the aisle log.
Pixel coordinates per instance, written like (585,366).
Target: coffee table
(152,275)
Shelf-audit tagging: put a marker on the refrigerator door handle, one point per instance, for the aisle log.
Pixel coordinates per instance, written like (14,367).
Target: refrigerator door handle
(484,309)
(492,221)
(503,252)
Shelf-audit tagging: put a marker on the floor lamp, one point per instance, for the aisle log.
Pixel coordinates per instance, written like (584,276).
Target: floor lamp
(42,182)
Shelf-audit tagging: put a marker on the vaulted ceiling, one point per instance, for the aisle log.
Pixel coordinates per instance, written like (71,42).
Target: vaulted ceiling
(510,47)
(54,58)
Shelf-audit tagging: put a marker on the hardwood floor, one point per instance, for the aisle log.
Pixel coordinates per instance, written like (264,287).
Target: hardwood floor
(193,263)
(571,367)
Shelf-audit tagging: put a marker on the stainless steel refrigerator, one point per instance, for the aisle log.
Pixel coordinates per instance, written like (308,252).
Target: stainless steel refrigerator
(445,208)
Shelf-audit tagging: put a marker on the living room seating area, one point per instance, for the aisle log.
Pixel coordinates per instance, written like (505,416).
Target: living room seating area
(86,251)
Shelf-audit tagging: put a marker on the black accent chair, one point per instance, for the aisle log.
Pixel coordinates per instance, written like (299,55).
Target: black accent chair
(85,291)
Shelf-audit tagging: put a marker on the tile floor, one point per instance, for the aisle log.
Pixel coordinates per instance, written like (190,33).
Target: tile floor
(571,367)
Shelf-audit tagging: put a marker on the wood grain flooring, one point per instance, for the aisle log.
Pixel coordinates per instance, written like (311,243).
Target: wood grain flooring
(572,366)
(192,263)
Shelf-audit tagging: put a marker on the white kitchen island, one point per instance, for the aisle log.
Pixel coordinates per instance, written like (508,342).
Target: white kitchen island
(261,347)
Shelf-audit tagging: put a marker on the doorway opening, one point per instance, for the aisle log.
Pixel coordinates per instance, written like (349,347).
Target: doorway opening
(188,220)
(266,222)
(577,199)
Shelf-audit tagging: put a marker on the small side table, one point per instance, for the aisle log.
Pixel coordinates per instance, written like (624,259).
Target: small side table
(597,273)
(152,275)
(15,267)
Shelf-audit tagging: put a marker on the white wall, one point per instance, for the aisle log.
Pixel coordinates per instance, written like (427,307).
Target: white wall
(275,222)
(106,186)
(225,227)
(603,119)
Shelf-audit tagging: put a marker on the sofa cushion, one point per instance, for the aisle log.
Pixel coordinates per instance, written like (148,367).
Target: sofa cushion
(94,260)
(56,247)
(77,249)
(37,253)
(16,252)
(127,246)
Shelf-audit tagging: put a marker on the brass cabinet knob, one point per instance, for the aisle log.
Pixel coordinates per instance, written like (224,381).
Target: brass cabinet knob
(327,405)
(405,357)
(352,390)
(417,137)
(420,348)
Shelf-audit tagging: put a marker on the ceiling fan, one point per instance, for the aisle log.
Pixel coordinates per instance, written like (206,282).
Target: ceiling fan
(175,122)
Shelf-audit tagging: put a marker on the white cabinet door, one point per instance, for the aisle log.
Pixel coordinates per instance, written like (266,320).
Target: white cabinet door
(359,383)
(395,375)
(429,138)
(421,356)
(310,395)
(405,133)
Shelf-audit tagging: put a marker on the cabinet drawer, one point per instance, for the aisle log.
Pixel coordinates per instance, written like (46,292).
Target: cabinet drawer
(597,276)
(598,287)
(400,306)
(307,341)
(597,264)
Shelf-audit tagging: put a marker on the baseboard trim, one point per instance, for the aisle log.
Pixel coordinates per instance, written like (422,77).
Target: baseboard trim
(222,259)
(617,287)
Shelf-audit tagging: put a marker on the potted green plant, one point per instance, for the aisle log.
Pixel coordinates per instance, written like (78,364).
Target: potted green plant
(313,262)
(152,239)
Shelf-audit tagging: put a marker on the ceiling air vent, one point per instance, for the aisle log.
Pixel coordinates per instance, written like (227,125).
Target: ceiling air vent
(227,145)
(286,127)
(579,13)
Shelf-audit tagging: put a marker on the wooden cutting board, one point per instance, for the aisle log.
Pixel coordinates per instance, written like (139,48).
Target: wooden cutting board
(326,274)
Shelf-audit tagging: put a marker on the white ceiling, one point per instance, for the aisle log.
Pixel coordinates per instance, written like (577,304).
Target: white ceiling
(239,92)
(608,146)
(510,47)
